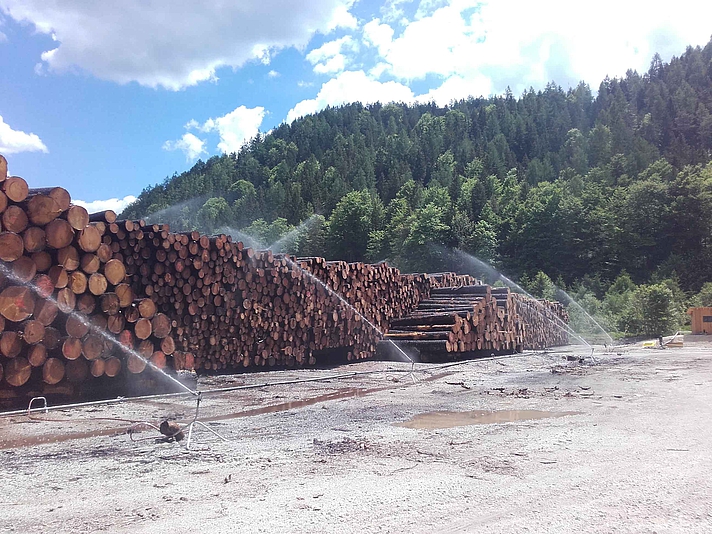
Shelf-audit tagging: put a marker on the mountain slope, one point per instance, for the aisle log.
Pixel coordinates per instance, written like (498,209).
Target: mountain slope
(555,180)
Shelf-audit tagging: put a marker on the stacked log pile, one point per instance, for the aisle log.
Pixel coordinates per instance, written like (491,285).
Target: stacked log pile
(378,293)
(232,307)
(437,280)
(66,313)
(546,322)
(87,296)
(476,320)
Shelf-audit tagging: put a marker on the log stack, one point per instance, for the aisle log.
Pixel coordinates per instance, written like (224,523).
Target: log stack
(234,308)
(66,313)
(87,297)
(475,320)
(438,280)
(546,322)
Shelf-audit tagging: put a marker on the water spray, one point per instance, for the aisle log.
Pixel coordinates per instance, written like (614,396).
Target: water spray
(351,307)
(84,320)
(583,310)
(513,285)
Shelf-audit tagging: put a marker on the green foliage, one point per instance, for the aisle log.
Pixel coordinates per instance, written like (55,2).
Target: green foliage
(356,215)
(653,310)
(311,239)
(213,213)
(704,297)
(581,188)
(269,233)
(541,286)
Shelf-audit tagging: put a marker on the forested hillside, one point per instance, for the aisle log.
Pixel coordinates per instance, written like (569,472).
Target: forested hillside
(582,188)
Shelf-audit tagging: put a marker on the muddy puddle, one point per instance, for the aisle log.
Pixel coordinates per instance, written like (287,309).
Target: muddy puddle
(436,420)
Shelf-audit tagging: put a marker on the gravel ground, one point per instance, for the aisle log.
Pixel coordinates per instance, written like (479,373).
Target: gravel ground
(621,444)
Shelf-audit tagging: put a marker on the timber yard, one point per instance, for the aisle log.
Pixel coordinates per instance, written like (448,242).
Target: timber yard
(153,378)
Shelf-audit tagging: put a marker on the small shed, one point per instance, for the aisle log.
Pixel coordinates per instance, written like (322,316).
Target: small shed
(701,320)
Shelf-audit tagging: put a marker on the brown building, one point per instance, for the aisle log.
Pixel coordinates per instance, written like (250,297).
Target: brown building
(701,320)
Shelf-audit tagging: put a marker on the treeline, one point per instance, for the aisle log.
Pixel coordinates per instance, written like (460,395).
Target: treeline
(582,188)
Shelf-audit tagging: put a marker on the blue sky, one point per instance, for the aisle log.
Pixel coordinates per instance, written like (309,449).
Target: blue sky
(106,98)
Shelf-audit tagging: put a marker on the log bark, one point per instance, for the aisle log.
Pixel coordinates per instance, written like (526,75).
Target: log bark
(107,216)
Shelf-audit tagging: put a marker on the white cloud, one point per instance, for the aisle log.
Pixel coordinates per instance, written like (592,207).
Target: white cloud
(273,74)
(456,87)
(329,58)
(189,144)
(173,44)
(115,204)
(378,70)
(14,141)
(3,37)
(523,43)
(378,35)
(236,128)
(341,18)
(351,86)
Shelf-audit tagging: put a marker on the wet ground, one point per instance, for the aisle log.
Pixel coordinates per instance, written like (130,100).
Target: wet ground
(538,443)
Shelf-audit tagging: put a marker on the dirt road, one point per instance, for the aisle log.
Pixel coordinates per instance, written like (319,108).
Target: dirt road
(547,445)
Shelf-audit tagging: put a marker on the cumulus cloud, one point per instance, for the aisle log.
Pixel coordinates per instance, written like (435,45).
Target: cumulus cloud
(14,141)
(115,204)
(456,87)
(351,86)
(173,44)
(523,43)
(341,18)
(234,128)
(378,35)
(189,144)
(273,74)
(329,58)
